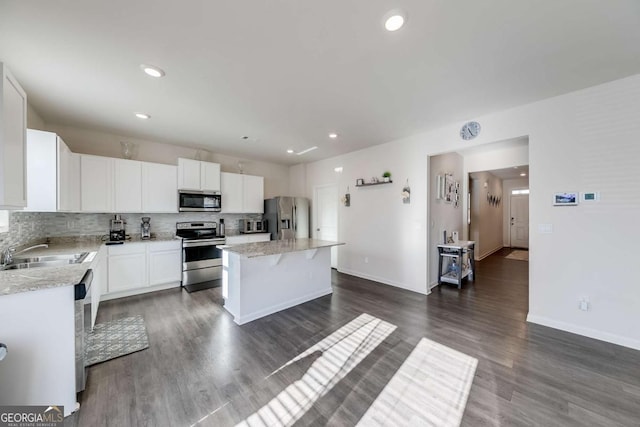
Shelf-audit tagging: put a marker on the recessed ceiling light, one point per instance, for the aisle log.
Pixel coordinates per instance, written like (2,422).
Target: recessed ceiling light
(394,20)
(338,169)
(333,135)
(306,151)
(152,70)
(290,151)
(142,116)
(523,174)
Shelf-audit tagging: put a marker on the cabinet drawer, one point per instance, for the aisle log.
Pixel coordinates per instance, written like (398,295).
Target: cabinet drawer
(128,248)
(171,245)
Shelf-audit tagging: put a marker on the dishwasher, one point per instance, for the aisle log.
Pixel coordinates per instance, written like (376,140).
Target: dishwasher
(82,308)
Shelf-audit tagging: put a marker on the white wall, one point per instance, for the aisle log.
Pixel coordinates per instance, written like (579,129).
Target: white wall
(378,225)
(276,177)
(443,216)
(486,218)
(507,186)
(581,141)
(34,120)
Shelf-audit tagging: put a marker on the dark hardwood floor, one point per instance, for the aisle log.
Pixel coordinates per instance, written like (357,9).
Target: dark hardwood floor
(199,360)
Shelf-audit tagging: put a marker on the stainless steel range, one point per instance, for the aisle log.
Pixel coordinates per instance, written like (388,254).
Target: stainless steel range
(201,256)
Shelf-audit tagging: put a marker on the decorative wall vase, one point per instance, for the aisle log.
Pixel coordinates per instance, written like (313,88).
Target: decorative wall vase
(406,193)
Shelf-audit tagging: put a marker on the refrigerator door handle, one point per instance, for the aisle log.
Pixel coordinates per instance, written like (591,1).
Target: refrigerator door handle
(294,220)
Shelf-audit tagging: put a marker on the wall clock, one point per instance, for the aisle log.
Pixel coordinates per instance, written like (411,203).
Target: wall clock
(469,130)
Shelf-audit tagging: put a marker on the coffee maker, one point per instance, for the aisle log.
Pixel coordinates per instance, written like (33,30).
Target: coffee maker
(145,228)
(117,232)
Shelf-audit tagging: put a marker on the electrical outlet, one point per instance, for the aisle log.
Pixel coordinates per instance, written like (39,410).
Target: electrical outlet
(583,304)
(366,260)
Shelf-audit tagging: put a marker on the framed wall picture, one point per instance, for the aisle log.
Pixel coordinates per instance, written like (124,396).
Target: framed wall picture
(566,198)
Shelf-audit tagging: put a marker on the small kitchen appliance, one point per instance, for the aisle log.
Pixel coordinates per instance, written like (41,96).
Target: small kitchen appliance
(252,226)
(145,228)
(116,231)
(221,228)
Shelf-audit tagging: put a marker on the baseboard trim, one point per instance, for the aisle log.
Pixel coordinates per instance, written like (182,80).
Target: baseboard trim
(483,256)
(382,280)
(138,291)
(587,332)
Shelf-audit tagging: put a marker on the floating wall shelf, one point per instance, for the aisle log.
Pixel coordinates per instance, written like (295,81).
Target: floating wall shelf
(369,184)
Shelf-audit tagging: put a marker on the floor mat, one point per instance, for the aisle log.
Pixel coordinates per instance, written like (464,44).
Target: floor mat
(519,255)
(116,338)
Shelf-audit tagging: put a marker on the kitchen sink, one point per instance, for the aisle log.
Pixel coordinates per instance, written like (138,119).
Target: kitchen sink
(46,261)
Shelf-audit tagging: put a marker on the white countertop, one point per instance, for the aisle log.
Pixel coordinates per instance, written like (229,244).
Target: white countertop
(33,279)
(275,247)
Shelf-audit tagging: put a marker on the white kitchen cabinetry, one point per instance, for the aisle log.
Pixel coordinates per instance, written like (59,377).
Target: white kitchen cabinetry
(253,193)
(165,262)
(52,174)
(140,267)
(13,137)
(96,183)
(248,238)
(198,175)
(127,264)
(159,188)
(242,193)
(127,185)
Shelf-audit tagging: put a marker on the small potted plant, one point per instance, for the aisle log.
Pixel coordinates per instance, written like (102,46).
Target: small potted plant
(386,176)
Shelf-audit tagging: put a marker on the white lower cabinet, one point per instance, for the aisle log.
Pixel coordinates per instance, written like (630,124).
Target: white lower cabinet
(139,267)
(127,264)
(165,263)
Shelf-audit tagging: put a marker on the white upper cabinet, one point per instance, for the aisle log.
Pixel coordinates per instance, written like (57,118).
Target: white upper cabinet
(198,175)
(242,193)
(253,194)
(188,174)
(159,188)
(209,176)
(52,174)
(127,185)
(231,188)
(96,183)
(13,136)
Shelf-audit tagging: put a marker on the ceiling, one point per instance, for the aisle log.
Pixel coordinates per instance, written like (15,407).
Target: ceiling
(508,173)
(287,73)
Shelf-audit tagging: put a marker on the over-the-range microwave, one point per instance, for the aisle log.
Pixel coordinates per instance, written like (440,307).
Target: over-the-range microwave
(199,201)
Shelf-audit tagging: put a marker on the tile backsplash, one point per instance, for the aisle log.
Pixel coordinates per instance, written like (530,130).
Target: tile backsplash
(29,227)
(24,228)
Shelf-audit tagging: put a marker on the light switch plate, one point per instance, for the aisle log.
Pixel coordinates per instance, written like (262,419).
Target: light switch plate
(545,228)
(590,196)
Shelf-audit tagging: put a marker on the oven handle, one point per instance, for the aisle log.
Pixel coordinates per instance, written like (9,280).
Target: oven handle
(203,242)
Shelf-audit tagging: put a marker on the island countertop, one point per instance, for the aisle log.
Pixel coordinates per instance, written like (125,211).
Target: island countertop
(275,247)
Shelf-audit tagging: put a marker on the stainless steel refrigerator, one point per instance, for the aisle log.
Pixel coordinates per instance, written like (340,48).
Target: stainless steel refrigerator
(287,217)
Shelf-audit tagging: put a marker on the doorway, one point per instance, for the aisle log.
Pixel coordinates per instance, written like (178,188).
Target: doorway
(519,222)
(325,202)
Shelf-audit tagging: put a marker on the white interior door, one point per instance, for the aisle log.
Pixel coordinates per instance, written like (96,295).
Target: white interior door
(326,217)
(519,232)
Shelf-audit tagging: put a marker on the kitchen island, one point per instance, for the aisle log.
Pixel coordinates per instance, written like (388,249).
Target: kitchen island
(265,277)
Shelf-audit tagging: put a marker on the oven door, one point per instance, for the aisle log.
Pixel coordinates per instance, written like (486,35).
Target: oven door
(194,201)
(198,254)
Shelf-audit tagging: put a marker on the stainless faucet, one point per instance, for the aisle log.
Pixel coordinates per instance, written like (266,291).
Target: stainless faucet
(10,252)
